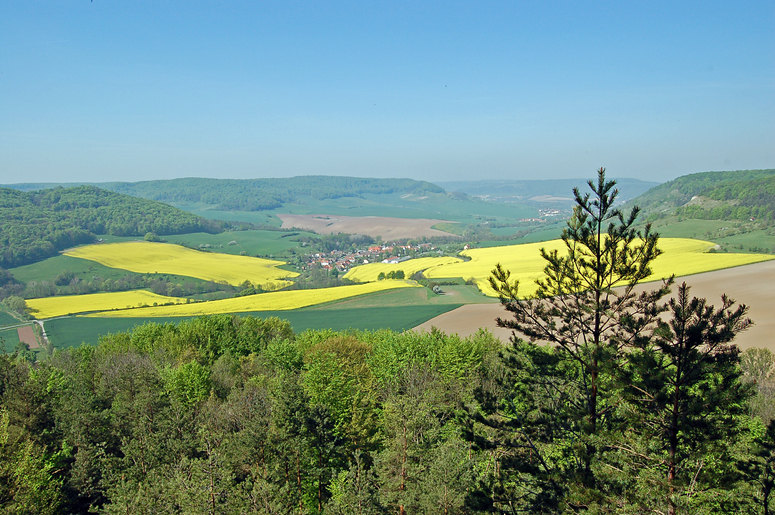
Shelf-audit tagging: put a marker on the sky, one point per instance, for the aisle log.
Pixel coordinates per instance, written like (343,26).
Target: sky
(136,90)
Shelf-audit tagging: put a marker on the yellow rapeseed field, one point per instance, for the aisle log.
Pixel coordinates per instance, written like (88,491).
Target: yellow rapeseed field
(49,307)
(371,271)
(272,301)
(681,256)
(165,258)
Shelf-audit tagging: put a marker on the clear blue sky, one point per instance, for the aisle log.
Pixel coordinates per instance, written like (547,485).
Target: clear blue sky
(136,90)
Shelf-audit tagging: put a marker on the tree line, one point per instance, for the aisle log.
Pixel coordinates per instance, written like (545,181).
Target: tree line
(38,224)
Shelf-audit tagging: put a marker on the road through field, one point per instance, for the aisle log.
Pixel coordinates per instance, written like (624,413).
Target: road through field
(753,285)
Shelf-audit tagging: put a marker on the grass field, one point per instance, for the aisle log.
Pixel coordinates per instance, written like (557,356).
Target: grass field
(50,307)
(451,294)
(254,243)
(7,319)
(681,257)
(762,240)
(73,331)
(732,235)
(9,339)
(49,269)
(371,271)
(264,218)
(147,257)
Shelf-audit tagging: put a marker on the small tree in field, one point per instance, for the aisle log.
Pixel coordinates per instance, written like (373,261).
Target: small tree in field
(588,308)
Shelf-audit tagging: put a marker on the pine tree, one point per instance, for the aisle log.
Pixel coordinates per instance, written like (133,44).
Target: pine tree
(685,384)
(588,308)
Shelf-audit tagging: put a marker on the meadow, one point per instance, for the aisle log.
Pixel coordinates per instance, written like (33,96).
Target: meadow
(259,242)
(49,269)
(397,309)
(148,257)
(74,331)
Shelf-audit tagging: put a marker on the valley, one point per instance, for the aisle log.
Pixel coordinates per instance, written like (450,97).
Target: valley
(338,263)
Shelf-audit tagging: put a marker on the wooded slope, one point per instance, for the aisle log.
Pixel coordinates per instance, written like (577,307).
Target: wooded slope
(36,225)
(735,195)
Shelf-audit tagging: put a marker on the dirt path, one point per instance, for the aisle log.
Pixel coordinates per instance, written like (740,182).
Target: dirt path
(753,285)
(385,227)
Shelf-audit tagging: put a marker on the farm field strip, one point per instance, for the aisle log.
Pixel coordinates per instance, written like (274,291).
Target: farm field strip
(272,301)
(371,271)
(50,307)
(147,257)
(681,256)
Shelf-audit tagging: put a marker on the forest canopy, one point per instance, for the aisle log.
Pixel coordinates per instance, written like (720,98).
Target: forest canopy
(37,224)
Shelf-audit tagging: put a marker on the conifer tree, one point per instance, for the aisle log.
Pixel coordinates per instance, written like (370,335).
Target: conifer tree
(588,308)
(685,384)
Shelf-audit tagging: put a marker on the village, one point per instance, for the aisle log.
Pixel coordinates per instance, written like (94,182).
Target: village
(343,260)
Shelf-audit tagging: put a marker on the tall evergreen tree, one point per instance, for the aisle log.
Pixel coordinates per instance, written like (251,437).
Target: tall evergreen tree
(587,306)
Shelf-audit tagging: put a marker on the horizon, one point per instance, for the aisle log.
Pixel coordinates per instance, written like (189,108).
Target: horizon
(96,92)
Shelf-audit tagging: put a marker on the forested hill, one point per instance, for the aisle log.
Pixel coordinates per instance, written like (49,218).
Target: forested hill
(37,224)
(262,194)
(739,195)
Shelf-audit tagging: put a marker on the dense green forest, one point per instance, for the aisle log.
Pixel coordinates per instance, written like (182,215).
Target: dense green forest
(239,415)
(714,195)
(36,225)
(262,194)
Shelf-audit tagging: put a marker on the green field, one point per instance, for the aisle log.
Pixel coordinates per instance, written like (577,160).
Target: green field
(539,234)
(452,295)
(396,309)
(261,243)
(265,218)
(9,338)
(49,269)
(732,235)
(84,269)
(762,240)
(73,331)
(6,319)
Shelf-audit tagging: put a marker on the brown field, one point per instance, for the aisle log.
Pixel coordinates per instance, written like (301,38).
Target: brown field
(385,227)
(27,335)
(750,284)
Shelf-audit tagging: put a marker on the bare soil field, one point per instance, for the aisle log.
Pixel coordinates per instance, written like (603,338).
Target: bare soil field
(753,285)
(27,335)
(386,227)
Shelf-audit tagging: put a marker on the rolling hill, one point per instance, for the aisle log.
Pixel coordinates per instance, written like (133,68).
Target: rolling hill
(735,209)
(37,224)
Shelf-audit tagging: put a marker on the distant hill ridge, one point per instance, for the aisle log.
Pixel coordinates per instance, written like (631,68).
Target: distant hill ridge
(35,225)
(260,194)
